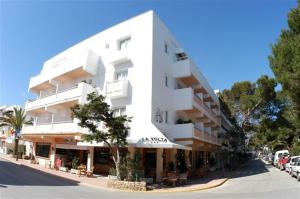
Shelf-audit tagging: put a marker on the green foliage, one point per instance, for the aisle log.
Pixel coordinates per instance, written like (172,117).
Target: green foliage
(285,58)
(75,162)
(15,119)
(96,114)
(135,171)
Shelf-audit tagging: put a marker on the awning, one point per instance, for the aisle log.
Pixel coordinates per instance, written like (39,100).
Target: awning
(154,138)
(168,145)
(71,146)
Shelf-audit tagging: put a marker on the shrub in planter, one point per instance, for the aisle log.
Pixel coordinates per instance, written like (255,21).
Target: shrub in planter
(75,163)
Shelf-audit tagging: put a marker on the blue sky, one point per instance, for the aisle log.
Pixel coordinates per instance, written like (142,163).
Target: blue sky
(229,40)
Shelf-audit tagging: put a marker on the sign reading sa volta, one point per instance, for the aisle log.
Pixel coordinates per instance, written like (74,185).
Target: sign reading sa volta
(154,140)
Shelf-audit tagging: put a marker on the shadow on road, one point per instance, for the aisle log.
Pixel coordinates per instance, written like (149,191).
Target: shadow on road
(12,174)
(252,167)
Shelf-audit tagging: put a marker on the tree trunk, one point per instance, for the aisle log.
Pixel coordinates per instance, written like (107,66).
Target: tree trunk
(117,164)
(16,148)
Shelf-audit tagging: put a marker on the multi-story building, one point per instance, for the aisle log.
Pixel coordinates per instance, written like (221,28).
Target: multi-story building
(144,73)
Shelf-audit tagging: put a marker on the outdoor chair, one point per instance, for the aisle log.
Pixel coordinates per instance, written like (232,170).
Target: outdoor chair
(81,170)
(172,179)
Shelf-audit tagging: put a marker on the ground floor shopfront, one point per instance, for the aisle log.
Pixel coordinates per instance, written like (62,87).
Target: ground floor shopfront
(60,151)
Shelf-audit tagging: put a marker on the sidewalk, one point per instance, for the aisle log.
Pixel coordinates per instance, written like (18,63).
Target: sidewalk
(210,181)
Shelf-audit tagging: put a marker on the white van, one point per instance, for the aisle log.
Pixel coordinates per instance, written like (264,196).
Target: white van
(279,154)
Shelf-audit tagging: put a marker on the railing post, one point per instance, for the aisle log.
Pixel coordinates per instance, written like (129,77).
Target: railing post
(52,120)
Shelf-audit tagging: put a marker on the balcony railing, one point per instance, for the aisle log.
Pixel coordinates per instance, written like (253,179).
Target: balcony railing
(75,92)
(77,65)
(57,125)
(117,89)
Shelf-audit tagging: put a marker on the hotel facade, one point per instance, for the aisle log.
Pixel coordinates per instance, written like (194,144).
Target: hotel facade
(144,73)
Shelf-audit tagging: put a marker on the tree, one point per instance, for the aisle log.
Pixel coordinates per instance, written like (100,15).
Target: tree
(285,64)
(96,112)
(249,101)
(15,119)
(285,58)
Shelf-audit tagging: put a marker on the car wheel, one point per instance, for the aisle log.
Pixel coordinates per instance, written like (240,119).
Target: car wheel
(298,177)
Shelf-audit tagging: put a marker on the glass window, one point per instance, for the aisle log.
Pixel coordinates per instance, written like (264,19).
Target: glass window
(43,149)
(166,81)
(124,44)
(121,75)
(166,47)
(166,116)
(119,112)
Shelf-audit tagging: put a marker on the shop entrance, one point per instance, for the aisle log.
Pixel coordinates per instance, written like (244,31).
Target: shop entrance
(150,163)
(64,157)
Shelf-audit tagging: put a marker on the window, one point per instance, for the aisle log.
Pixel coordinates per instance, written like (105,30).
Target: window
(121,75)
(166,117)
(119,112)
(106,46)
(166,47)
(166,81)
(102,156)
(42,149)
(124,43)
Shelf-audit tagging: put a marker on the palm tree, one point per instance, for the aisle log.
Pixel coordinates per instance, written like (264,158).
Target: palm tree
(15,119)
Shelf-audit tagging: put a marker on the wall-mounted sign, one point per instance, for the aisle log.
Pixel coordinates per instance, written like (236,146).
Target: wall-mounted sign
(154,140)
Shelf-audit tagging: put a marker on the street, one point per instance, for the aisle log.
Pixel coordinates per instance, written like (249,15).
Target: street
(255,180)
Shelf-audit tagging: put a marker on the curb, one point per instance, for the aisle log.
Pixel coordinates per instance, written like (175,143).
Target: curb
(127,191)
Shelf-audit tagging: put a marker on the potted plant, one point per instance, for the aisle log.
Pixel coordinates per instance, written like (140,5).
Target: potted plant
(75,163)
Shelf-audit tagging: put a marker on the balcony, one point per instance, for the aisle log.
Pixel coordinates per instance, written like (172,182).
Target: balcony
(116,57)
(76,93)
(186,100)
(190,75)
(56,128)
(190,130)
(117,89)
(65,69)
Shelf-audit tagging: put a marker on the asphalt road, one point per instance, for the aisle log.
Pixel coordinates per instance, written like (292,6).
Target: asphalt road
(255,180)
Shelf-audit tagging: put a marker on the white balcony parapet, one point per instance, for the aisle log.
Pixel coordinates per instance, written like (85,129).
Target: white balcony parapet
(81,64)
(78,92)
(63,127)
(189,130)
(117,89)
(186,68)
(185,99)
(116,56)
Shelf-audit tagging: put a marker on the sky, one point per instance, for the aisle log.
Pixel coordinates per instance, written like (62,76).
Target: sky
(229,40)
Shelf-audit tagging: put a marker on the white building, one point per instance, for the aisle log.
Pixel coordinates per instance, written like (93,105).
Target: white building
(143,72)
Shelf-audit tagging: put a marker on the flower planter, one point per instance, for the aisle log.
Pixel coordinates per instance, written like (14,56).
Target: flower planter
(127,185)
(65,169)
(74,171)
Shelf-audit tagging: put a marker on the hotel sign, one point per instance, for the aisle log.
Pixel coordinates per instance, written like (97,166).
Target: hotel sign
(154,140)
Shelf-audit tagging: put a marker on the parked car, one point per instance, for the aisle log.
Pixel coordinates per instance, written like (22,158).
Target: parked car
(295,169)
(282,161)
(279,154)
(290,162)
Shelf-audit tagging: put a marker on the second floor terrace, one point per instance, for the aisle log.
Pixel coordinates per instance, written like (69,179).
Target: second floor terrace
(64,69)
(77,92)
